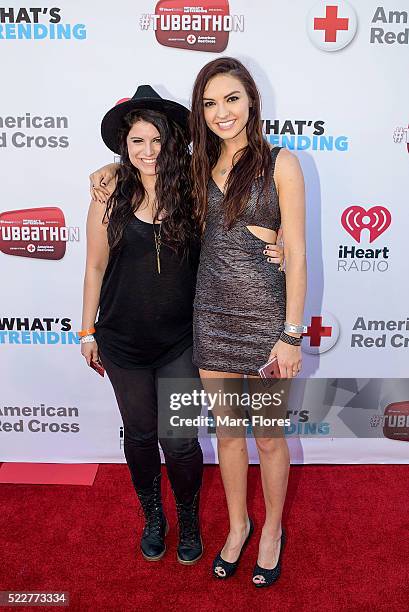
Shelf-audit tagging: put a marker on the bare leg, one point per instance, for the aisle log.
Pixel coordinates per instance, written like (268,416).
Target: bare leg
(233,462)
(274,465)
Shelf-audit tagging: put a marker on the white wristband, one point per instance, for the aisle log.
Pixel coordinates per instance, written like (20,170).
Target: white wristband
(296,329)
(85,339)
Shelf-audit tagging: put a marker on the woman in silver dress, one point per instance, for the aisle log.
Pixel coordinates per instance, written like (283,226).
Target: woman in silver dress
(246,311)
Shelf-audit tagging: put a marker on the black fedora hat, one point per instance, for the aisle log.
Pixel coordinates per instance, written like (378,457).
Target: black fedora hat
(145,97)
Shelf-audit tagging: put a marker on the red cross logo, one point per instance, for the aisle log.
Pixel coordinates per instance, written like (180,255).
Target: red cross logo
(332,32)
(321,337)
(316,331)
(191,39)
(331,23)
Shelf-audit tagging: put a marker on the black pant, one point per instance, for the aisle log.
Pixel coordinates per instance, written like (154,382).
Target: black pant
(136,392)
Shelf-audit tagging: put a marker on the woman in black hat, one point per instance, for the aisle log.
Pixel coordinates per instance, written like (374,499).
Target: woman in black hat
(142,257)
(143,249)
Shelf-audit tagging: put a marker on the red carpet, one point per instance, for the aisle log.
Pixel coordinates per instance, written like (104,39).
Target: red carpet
(347,550)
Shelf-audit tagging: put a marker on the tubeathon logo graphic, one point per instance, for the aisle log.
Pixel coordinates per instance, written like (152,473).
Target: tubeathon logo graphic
(38,233)
(38,24)
(401,136)
(195,25)
(394,421)
(363,223)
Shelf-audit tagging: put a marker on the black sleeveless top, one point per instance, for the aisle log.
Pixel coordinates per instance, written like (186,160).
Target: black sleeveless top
(145,318)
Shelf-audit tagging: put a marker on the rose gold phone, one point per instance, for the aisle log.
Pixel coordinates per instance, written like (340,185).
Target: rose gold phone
(270,369)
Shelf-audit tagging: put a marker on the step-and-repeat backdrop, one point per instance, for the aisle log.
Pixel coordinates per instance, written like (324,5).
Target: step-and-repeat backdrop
(333,79)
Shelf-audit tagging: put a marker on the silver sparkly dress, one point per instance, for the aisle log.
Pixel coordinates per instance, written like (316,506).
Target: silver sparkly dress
(239,307)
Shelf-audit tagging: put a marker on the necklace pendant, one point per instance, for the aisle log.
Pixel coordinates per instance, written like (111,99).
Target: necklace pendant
(157,246)
(223,172)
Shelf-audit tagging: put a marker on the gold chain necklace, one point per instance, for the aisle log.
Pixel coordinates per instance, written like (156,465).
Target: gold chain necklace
(157,244)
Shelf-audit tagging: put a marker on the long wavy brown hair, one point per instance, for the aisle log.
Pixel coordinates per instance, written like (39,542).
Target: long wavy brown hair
(253,161)
(173,185)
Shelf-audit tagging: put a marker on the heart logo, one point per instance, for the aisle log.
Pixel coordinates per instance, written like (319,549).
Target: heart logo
(376,220)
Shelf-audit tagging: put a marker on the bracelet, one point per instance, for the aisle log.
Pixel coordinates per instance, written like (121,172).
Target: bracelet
(88,338)
(296,329)
(86,332)
(290,339)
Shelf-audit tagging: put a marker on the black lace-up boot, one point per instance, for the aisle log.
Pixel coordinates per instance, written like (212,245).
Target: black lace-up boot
(153,545)
(190,547)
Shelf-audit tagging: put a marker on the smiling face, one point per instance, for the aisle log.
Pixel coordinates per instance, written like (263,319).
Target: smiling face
(143,142)
(226,106)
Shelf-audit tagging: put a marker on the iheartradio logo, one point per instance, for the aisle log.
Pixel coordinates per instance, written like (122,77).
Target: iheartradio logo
(376,220)
(39,233)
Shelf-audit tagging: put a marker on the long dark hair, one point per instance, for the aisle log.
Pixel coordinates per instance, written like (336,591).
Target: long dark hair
(173,186)
(254,160)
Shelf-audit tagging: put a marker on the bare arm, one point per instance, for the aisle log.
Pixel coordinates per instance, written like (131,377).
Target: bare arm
(97,260)
(292,206)
(290,184)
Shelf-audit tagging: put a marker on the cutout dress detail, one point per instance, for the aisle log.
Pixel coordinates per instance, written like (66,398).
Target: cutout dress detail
(240,301)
